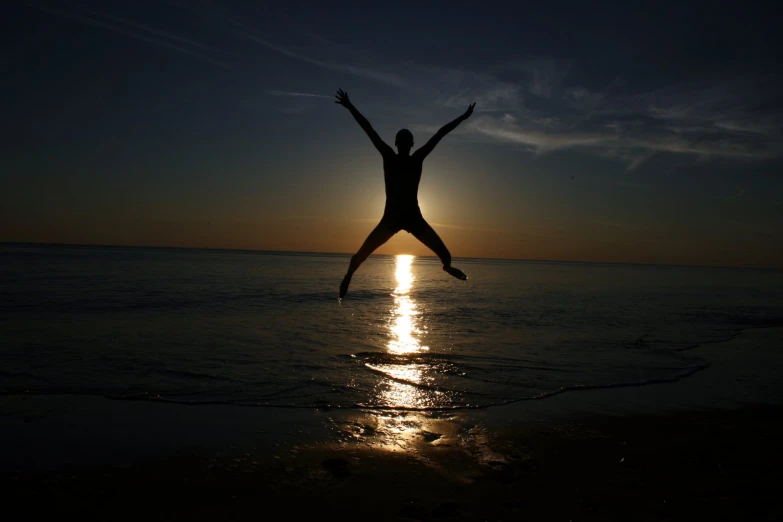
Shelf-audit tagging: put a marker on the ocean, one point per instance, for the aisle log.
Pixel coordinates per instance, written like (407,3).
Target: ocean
(265,329)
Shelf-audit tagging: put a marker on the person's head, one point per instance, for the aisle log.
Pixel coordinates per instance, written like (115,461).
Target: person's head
(404,140)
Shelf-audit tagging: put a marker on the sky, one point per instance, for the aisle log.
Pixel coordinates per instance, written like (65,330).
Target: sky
(631,132)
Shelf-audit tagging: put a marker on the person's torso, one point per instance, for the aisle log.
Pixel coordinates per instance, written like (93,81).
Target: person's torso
(401,175)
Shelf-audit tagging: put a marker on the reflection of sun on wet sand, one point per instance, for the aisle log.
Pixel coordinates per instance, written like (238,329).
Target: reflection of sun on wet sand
(505,463)
(406,383)
(397,392)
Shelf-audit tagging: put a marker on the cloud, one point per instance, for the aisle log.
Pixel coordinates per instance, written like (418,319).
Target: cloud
(147,28)
(583,99)
(746,127)
(373,74)
(380,76)
(690,119)
(670,113)
(639,159)
(719,147)
(490,96)
(325,47)
(540,77)
(698,119)
(547,76)
(538,103)
(506,130)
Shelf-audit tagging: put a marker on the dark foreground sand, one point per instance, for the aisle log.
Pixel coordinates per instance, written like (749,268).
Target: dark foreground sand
(704,448)
(711,465)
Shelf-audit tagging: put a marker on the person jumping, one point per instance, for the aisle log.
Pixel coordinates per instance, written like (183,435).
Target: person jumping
(401,174)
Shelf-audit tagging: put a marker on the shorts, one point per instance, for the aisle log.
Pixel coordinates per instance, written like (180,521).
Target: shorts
(408,220)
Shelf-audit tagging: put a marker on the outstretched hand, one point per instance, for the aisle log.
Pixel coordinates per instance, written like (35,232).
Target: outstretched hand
(469,111)
(342,98)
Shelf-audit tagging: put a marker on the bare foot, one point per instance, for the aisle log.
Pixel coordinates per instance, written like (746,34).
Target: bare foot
(456,272)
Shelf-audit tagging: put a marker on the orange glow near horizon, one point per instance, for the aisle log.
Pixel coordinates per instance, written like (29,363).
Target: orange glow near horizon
(543,241)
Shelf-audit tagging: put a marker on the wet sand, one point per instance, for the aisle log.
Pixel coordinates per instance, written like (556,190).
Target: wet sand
(704,448)
(712,465)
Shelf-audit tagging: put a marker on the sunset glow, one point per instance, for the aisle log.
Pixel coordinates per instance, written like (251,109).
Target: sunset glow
(224,133)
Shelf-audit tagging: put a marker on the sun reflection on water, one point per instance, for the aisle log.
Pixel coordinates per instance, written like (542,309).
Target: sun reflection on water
(406,378)
(404,328)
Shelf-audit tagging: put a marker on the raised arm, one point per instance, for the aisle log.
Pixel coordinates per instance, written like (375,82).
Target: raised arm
(427,148)
(342,99)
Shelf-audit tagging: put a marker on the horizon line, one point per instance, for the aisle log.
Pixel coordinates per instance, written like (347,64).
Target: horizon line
(41,243)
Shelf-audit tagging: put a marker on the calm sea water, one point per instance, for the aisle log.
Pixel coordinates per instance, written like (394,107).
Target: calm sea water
(266,329)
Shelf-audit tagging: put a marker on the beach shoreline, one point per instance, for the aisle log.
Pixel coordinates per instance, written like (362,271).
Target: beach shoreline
(704,446)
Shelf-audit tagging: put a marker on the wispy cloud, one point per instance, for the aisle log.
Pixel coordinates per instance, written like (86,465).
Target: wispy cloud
(702,121)
(506,130)
(719,147)
(542,77)
(373,74)
(136,30)
(752,127)
(490,95)
(535,104)
(737,120)
(639,159)
(380,76)
(144,27)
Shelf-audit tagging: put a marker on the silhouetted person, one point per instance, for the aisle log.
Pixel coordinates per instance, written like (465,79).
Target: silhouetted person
(401,174)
